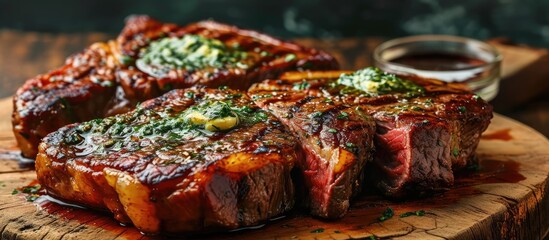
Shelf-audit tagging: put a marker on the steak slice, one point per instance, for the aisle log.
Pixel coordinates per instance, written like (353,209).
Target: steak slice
(75,92)
(190,160)
(337,141)
(147,59)
(425,129)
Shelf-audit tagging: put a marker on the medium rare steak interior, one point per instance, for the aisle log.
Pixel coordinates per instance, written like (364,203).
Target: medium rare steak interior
(425,129)
(191,160)
(337,141)
(147,59)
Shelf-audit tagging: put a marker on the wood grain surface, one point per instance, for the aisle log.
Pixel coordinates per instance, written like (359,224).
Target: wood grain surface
(505,198)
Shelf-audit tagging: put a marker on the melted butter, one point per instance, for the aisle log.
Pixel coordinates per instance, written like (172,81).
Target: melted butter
(161,130)
(375,82)
(189,52)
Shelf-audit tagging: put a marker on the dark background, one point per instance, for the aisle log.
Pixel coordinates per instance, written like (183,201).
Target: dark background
(524,21)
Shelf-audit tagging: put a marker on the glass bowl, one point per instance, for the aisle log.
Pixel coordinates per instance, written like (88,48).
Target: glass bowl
(446,58)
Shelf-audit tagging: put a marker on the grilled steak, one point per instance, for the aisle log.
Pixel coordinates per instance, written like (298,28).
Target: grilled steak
(425,129)
(337,141)
(80,90)
(148,59)
(191,160)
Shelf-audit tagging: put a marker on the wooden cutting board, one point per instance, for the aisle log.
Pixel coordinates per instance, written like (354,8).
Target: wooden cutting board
(506,197)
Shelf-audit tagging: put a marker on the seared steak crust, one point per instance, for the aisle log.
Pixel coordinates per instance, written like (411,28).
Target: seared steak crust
(420,139)
(337,141)
(160,168)
(78,91)
(266,57)
(109,78)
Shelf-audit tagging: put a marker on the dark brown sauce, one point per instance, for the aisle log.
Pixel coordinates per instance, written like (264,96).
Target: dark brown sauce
(503,135)
(490,171)
(87,217)
(486,172)
(438,61)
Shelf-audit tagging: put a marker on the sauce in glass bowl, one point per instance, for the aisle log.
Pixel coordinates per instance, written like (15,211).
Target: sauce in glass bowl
(446,58)
(438,61)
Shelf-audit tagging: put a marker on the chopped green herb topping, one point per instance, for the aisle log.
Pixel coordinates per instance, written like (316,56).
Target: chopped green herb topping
(387,214)
(190,52)
(343,115)
(327,100)
(235,96)
(318,230)
(315,115)
(331,130)
(166,127)
(462,109)
(416,213)
(257,97)
(376,82)
(290,57)
(351,147)
(301,85)
(455,152)
(416,108)
(189,94)
(73,139)
(126,60)
(32,197)
(31,191)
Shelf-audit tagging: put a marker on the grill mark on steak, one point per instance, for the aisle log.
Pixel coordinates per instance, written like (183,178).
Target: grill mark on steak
(419,140)
(48,102)
(81,83)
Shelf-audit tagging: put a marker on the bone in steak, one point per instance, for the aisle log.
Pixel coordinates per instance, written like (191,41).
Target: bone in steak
(148,59)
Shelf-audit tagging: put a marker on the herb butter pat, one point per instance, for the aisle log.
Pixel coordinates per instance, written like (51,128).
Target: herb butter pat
(165,127)
(214,116)
(189,52)
(375,82)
